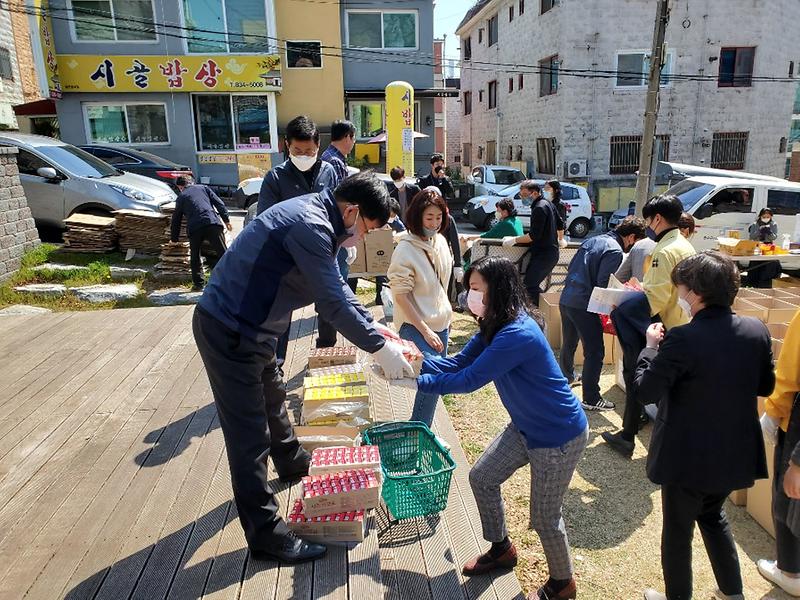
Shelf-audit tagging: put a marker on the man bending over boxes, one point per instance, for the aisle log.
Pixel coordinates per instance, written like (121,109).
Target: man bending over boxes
(285,259)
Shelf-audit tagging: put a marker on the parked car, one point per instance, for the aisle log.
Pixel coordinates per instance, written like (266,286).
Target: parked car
(140,162)
(493,178)
(60,179)
(246,195)
(480,210)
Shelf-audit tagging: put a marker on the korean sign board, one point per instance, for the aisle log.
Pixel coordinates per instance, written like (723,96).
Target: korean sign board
(40,18)
(228,73)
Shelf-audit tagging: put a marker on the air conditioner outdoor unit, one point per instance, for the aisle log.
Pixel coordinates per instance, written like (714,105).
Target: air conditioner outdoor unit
(574,169)
(7,116)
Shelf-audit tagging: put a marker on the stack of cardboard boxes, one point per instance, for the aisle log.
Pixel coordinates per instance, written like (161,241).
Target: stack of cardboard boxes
(373,254)
(548,306)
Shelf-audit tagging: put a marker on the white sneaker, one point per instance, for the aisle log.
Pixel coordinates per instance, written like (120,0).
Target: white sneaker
(770,571)
(651,594)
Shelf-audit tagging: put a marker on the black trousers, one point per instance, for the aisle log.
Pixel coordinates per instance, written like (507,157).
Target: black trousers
(786,542)
(540,266)
(577,324)
(250,400)
(215,236)
(683,508)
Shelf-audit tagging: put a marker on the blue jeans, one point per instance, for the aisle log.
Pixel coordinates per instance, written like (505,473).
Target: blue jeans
(424,404)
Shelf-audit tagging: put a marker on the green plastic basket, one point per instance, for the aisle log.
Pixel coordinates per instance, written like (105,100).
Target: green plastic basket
(416,468)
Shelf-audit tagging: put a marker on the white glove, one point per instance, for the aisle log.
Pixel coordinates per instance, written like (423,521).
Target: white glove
(391,360)
(385,331)
(769,425)
(459,274)
(509,240)
(352,253)
(562,243)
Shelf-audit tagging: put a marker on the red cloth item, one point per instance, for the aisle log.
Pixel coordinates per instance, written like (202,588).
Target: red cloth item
(608,326)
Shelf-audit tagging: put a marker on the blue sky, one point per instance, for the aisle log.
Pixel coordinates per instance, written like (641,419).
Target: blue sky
(447,15)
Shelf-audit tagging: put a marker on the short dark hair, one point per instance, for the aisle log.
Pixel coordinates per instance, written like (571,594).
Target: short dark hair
(302,129)
(417,206)
(342,129)
(369,192)
(711,275)
(507,204)
(397,173)
(436,157)
(631,225)
(184,180)
(686,222)
(394,206)
(765,210)
(666,205)
(531,186)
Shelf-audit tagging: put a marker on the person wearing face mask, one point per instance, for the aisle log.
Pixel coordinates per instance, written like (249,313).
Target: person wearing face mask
(552,193)
(418,275)
(548,430)
(507,224)
(400,190)
(760,274)
(542,237)
(438,178)
(657,302)
(707,439)
(284,260)
(765,229)
(592,266)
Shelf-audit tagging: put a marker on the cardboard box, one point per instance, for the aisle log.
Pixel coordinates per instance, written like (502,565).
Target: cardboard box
(336,414)
(746,308)
(337,370)
(359,265)
(340,492)
(331,357)
(342,393)
(778,310)
(759,497)
(551,313)
(736,247)
(378,249)
(339,527)
(608,358)
(312,437)
(342,458)
(335,380)
(785,281)
(738,497)
(778,330)
(746,293)
(787,294)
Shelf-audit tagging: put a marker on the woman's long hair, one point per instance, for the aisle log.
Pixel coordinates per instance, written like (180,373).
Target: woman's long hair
(506,298)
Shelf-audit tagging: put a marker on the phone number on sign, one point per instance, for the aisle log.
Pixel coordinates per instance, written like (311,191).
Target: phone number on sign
(250,84)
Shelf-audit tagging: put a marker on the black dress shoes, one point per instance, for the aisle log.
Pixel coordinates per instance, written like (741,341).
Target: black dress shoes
(618,443)
(289,549)
(297,471)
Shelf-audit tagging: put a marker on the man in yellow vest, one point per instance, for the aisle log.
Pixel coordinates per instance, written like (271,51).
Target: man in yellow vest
(659,302)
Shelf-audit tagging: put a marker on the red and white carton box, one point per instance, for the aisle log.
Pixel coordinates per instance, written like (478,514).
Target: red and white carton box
(340,458)
(329,357)
(346,526)
(345,491)
(410,351)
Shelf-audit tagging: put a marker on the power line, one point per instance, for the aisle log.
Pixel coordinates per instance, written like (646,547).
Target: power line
(382,56)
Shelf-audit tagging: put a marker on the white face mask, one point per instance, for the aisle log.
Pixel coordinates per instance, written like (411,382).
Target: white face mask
(685,306)
(399,184)
(548,195)
(499,215)
(353,235)
(303,163)
(475,303)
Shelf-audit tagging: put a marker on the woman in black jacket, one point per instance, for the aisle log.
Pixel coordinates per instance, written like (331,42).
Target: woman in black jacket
(552,192)
(705,377)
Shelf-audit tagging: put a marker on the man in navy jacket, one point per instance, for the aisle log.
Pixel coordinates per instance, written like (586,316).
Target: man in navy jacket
(594,263)
(204,213)
(283,260)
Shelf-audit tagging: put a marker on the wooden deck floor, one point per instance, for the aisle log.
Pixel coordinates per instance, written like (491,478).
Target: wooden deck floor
(114,482)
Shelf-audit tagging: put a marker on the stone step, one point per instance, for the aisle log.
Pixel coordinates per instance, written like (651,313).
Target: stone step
(172,296)
(60,267)
(119,273)
(23,309)
(42,289)
(106,292)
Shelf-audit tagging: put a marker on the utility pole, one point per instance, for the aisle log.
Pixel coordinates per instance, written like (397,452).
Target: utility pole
(644,182)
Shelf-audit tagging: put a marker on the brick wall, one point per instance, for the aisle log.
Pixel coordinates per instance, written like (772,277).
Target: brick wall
(17,230)
(25,63)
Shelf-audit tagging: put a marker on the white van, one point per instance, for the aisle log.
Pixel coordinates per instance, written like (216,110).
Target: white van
(721,204)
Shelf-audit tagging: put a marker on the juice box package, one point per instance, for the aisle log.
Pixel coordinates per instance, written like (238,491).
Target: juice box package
(329,357)
(343,393)
(339,527)
(345,491)
(335,459)
(335,380)
(337,370)
(342,413)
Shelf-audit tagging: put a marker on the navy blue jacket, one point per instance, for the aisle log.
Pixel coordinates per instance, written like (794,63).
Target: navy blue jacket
(592,266)
(283,260)
(287,181)
(200,205)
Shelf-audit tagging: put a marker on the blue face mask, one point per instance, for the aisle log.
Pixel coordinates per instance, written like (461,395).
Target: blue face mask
(650,233)
(429,233)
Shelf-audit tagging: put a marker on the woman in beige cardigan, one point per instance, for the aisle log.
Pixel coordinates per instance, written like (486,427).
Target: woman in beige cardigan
(418,276)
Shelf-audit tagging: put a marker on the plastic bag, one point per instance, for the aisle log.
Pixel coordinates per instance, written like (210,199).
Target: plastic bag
(388,301)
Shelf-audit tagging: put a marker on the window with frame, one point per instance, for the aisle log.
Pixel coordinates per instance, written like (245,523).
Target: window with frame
(467,103)
(245,22)
(382,29)
(633,69)
(520,82)
(303,55)
(736,67)
(518,156)
(28,163)
(113,20)
(480,35)
(510,13)
(547,5)
(6,70)
(783,202)
(468,48)
(121,123)
(548,76)
(510,84)
(521,7)
(113,157)
(232,122)
(466,155)
(492,25)
(546,155)
(480,95)
(369,117)
(625,150)
(493,94)
(510,153)
(729,150)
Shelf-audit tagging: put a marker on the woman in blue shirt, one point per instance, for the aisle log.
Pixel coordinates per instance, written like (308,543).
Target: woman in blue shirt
(548,428)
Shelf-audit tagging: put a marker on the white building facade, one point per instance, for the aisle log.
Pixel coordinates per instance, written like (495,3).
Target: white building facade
(560,85)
